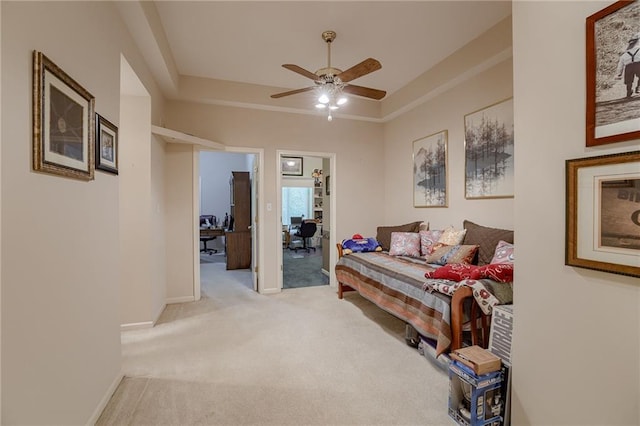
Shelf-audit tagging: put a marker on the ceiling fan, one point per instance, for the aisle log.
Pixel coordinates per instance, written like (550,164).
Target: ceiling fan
(331,81)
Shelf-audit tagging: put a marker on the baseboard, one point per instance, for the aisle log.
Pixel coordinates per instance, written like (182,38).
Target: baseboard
(271,291)
(136,325)
(105,399)
(181,299)
(324,271)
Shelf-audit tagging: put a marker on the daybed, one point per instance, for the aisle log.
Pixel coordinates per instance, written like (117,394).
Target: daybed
(436,307)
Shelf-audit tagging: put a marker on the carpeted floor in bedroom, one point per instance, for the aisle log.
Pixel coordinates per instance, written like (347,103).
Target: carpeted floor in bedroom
(300,357)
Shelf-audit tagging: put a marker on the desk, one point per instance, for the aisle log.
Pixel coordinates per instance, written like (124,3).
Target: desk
(211,232)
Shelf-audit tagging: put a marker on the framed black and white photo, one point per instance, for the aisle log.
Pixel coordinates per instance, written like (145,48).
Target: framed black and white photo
(489,148)
(291,166)
(63,122)
(603,213)
(106,145)
(613,74)
(430,171)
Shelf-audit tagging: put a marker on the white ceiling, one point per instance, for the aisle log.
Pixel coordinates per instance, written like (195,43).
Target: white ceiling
(248,41)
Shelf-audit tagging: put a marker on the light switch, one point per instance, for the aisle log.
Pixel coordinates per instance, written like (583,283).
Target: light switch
(269,207)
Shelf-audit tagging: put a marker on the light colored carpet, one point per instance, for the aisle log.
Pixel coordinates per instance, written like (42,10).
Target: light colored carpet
(301,357)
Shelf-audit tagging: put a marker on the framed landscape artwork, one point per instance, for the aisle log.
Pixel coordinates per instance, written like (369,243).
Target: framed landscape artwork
(430,171)
(291,166)
(489,151)
(106,145)
(613,74)
(603,213)
(63,122)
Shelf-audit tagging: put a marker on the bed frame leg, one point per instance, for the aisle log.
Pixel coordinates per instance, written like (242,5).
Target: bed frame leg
(342,288)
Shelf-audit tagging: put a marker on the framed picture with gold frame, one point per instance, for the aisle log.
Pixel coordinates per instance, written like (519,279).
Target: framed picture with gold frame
(63,122)
(603,213)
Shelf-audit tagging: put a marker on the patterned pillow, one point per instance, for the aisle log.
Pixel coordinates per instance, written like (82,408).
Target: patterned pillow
(503,253)
(487,238)
(360,245)
(383,234)
(452,254)
(454,272)
(500,272)
(427,241)
(452,237)
(405,244)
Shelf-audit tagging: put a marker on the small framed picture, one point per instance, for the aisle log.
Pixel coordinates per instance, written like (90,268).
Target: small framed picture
(602,211)
(430,171)
(488,151)
(63,122)
(613,74)
(291,166)
(327,187)
(106,145)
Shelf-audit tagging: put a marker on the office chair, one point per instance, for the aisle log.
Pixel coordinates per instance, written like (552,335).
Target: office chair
(295,222)
(306,231)
(207,221)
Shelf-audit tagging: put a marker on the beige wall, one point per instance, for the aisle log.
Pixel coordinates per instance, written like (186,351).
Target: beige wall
(359,164)
(445,112)
(60,237)
(576,342)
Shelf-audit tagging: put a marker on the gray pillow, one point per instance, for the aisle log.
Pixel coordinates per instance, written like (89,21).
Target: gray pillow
(487,238)
(384,233)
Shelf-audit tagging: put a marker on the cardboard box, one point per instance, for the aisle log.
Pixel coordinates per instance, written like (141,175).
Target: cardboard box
(474,400)
(480,360)
(500,345)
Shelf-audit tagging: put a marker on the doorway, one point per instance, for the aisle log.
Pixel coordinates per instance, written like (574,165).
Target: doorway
(219,172)
(305,208)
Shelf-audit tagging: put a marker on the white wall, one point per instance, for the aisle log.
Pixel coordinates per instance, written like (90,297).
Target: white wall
(576,342)
(445,112)
(60,320)
(358,145)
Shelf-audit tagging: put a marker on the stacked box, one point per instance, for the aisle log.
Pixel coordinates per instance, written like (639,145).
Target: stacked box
(500,345)
(474,399)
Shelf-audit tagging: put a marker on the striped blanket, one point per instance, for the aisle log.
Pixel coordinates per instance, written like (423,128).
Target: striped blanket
(396,284)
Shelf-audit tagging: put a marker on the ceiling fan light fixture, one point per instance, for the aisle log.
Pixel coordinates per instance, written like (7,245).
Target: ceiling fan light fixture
(321,106)
(342,100)
(323,99)
(333,107)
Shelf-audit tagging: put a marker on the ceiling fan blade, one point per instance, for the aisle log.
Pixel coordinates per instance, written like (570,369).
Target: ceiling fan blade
(292,92)
(367,92)
(301,71)
(365,67)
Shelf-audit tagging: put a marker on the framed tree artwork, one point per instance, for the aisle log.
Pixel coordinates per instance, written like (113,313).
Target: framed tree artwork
(489,148)
(63,122)
(430,171)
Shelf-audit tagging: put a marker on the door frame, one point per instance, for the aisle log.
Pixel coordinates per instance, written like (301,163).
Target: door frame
(333,255)
(257,273)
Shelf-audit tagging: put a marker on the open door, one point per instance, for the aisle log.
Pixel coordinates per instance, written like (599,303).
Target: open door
(255,222)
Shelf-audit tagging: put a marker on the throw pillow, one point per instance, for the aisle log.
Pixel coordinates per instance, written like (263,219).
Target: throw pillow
(487,238)
(428,239)
(500,272)
(452,254)
(454,272)
(360,245)
(405,244)
(503,253)
(452,237)
(384,233)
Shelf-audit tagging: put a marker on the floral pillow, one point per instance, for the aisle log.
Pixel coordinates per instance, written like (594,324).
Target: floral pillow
(503,253)
(452,254)
(428,239)
(405,244)
(454,272)
(452,237)
(500,272)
